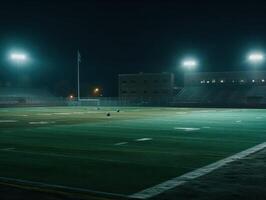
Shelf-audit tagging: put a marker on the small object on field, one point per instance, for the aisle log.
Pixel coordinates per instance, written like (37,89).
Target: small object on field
(108,114)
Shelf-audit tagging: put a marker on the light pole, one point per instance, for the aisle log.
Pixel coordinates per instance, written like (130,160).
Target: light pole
(18,59)
(78,62)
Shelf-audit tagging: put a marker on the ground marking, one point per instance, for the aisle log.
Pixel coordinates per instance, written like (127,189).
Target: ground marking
(238,121)
(8,121)
(8,149)
(62,113)
(143,139)
(186,128)
(120,143)
(44,114)
(58,187)
(206,127)
(42,122)
(180,180)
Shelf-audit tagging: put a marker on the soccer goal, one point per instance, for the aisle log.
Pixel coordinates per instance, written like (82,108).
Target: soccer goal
(89,102)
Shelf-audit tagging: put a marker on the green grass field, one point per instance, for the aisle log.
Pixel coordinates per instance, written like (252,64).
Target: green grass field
(132,150)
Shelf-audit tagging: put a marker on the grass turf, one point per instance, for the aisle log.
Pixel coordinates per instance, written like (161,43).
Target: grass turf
(82,147)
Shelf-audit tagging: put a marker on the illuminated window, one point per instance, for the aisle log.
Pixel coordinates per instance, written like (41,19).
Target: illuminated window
(253,81)
(222,81)
(208,81)
(213,81)
(203,81)
(241,81)
(262,80)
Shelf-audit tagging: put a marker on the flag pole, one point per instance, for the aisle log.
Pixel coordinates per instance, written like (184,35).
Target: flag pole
(78,60)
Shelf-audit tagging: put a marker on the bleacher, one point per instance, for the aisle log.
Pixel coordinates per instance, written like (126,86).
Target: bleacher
(223,96)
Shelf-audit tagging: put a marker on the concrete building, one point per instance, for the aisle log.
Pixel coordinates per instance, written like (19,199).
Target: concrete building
(146,85)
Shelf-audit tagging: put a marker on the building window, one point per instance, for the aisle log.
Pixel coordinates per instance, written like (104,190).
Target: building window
(253,81)
(208,81)
(222,81)
(263,80)
(213,81)
(203,81)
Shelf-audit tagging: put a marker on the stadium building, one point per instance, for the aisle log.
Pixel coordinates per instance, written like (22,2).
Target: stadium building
(146,85)
(224,89)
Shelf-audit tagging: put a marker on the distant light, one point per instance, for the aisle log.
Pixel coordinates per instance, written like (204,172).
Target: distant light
(222,81)
(190,63)
(71,97)
(96,90)
(18,56)
(213,81)
(208,81)
(256,57)
(263,80)
(253,81)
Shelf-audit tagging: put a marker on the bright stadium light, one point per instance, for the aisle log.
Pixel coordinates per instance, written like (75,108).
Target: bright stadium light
(18,57)
(256,57)
(189,63)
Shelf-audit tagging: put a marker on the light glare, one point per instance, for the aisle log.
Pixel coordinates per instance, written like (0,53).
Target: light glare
(256,57)
(189,63)
(18,56)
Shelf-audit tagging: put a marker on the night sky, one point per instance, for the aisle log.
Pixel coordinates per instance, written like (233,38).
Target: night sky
(124,37)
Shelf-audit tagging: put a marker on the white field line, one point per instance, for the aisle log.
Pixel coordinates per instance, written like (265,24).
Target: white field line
(42,122)
(180,180)
(143,139)
(7,121)
(57,187)
(14,150)
(186,128)
(120,143)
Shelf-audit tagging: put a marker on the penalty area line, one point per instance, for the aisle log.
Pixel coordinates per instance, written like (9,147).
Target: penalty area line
(180,180)
(57,188)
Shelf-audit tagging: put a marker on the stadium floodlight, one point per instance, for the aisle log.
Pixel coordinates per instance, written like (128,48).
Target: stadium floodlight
(96,90)
(18,57)
(189,63)
(256,57)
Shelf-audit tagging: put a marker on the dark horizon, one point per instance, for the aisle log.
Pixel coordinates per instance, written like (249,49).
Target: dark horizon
(125,37)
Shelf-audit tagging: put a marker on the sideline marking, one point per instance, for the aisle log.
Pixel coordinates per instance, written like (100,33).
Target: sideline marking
(58,187)
(180,180)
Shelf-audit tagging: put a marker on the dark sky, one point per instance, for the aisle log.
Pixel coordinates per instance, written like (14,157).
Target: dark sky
(125,37)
